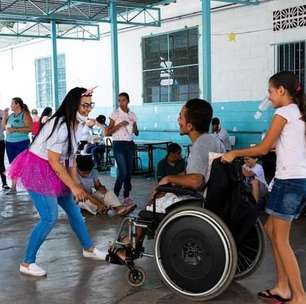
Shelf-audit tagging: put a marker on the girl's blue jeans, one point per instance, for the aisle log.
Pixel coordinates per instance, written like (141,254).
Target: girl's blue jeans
(47,207)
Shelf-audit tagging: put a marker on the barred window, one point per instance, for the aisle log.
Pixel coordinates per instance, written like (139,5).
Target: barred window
(44,84)
(170,66)
(291,57)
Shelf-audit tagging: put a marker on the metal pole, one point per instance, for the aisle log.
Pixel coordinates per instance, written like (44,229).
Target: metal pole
(54,65)
(206,49)
(114,48)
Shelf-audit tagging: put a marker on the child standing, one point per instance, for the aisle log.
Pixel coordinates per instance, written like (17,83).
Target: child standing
(288,194)
(99,199)
(255,177)
(122,128)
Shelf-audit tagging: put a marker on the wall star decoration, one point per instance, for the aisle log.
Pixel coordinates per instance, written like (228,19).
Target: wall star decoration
(232,37)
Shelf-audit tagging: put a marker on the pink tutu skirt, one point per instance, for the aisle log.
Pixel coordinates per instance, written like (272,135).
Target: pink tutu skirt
(36,175)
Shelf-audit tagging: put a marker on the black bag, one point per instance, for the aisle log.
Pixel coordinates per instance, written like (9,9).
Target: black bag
(228,198)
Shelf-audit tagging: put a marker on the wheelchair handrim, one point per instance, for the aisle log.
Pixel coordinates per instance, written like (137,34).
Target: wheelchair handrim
(229,260)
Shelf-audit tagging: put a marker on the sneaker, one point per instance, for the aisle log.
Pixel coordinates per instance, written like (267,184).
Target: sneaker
(11,191)
(91,208)
(33,270)
(127,201)
(95,254)
(5,187)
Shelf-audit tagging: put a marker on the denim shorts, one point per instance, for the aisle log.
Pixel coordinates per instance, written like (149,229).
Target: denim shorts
(287,198)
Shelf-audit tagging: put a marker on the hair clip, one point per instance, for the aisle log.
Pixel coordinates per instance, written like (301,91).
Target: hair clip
(89,91)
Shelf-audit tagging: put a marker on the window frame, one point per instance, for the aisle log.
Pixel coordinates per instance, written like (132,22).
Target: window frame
(38,80)
(299,71)
(169,101)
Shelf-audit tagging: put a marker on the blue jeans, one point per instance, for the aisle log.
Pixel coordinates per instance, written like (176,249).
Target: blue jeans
(13,149)
(47,207)
(287,198)
(124,153)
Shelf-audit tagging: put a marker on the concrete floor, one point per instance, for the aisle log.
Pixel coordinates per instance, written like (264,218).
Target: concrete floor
(73,279)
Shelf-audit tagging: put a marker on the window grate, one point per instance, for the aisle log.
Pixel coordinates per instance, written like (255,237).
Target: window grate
(289,18)
(170,66)
(291,57)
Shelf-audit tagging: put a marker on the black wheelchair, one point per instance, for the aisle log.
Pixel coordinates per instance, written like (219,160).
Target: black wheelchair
(194,251)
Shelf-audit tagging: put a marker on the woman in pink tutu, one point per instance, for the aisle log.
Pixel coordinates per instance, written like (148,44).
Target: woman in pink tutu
(48,171)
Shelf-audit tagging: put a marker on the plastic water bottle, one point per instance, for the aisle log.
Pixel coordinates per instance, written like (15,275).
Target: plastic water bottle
(263,106)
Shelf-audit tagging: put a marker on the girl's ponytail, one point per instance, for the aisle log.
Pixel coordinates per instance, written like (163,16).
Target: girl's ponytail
(300,100)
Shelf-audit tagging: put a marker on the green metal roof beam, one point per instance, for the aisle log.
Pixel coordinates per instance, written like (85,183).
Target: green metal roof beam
(73,20)
(69,22)
(246,2)
(81,11)
(11,28)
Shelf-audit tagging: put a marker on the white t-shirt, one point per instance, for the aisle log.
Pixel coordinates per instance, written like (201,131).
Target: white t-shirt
(259,173)
(86,133)
(224,138)
(124,133)
(291,145)
(58,142)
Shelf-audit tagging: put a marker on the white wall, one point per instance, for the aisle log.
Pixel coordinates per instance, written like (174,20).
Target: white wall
(240,69)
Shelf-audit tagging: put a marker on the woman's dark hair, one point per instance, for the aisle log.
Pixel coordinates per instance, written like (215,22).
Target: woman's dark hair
(126,95)
(46,112)
(199,113)
(101,119)
(22,105)
(67,112)
(84,162)
(173,148)
(290,82)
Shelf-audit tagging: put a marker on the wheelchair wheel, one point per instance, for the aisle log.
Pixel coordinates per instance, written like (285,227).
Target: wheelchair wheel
(136,277)
(195,253)
(250,252)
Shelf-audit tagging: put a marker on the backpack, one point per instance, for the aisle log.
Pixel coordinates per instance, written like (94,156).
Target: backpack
(227,197)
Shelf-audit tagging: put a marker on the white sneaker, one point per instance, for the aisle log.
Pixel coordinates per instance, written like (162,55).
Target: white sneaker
(33,270)
(95,254)
(87,205)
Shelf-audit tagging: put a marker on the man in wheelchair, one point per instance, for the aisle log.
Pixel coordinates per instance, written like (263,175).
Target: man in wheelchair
(194,121)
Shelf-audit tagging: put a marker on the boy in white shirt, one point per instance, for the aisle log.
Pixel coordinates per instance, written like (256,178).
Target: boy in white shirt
(255,177)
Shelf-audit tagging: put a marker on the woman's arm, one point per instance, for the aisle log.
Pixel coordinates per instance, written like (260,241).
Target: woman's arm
(74,172)
(111,129)
(276,127)
(77,190)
